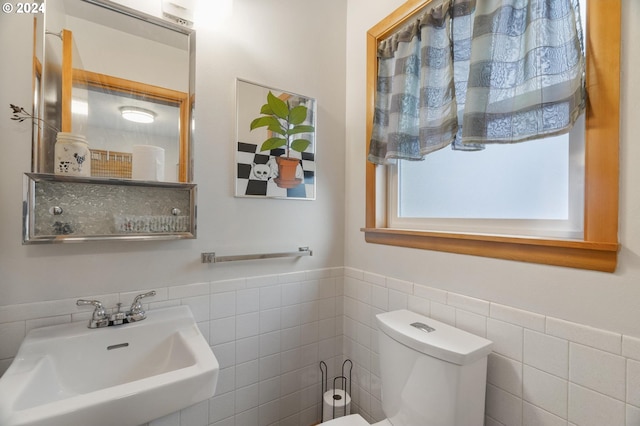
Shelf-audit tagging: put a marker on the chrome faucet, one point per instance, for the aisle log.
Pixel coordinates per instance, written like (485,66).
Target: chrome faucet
(99,317)
(136,312)
(118,317)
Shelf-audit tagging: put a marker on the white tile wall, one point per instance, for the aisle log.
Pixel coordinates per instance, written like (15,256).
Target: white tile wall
(545,391)
(546,353)
(270,332)
(543,372)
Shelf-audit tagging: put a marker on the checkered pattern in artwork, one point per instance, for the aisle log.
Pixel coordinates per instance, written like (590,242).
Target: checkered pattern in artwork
(256,172)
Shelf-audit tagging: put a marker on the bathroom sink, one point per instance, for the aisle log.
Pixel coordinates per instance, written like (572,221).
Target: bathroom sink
(120,375)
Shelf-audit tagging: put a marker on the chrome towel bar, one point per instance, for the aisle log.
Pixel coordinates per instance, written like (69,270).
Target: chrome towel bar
(212,258)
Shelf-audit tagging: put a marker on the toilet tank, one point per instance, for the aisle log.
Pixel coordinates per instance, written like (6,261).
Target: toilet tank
(432,374)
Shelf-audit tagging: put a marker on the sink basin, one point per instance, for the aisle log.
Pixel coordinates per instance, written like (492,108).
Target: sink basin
(121,375)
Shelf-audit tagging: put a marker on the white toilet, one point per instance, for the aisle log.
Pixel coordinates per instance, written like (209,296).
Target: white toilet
(432,374)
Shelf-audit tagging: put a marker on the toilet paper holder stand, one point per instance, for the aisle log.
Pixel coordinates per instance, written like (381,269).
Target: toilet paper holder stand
(342,379)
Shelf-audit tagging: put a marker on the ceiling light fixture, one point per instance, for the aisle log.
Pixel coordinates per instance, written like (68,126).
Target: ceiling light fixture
(137,115)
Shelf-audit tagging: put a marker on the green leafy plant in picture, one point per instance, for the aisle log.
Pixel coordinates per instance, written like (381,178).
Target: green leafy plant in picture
(285,124)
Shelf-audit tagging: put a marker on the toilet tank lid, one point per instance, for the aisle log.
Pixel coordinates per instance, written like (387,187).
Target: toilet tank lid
(444,342)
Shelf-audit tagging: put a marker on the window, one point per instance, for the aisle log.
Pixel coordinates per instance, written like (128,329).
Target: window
(534,188)
(582,233)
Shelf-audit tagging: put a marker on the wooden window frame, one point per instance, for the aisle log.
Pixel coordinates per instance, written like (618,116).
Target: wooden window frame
(598,250)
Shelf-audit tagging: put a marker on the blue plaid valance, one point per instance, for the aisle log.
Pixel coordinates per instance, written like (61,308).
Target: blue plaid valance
(469,73)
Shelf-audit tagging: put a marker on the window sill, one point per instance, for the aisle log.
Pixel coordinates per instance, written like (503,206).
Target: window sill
(570,253)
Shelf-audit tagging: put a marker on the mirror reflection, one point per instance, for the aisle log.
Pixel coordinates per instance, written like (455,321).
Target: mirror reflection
(121,82)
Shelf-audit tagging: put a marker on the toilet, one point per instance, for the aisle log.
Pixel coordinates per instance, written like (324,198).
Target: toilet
(432,374)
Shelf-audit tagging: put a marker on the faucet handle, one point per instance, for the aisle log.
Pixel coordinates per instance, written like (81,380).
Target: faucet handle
(99,317)
(136,313)
(140,296)
(98,312)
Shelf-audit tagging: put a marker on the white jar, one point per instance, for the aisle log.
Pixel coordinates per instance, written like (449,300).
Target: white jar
(71,155)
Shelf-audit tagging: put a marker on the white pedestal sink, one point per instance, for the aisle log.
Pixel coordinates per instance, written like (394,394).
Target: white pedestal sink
(69,375)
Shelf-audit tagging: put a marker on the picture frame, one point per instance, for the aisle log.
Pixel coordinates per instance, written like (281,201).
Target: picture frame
(275,143)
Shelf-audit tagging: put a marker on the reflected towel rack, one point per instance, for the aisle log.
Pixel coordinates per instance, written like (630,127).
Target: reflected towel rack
(212,258)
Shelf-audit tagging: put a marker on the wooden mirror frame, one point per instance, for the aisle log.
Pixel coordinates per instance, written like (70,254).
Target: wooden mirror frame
(599,247)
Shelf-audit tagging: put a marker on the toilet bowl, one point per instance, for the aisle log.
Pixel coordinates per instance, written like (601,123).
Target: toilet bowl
(432,374)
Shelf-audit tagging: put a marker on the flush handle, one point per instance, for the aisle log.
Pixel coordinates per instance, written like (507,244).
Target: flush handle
(423,327)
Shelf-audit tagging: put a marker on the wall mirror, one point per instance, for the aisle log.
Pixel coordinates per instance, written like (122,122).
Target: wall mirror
(96,60)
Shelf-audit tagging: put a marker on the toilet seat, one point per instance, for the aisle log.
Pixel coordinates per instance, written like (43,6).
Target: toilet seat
(354,420)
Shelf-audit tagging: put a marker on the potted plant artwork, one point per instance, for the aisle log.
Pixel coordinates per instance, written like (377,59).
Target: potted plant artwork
(286,128)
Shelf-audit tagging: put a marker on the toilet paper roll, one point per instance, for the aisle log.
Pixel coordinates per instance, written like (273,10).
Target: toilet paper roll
(147,163)
(335,398)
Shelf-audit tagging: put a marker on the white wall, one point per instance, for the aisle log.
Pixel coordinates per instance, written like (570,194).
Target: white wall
(565,340)
(299,55)
(314,67)
(269,322)
(542,371)
(607,301)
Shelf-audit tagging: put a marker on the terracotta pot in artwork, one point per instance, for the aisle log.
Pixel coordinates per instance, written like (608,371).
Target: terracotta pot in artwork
(287,168)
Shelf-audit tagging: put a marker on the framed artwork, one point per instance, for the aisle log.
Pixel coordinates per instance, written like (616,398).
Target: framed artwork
(275,143)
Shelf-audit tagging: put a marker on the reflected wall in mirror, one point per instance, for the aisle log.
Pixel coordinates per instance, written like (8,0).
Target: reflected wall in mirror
(94,60)
(276,141)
